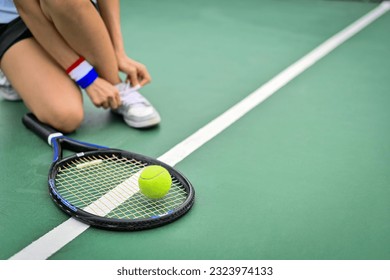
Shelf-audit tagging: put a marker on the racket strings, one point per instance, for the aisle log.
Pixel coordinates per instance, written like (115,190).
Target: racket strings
(89,182)
(108,186)
(140,206)
(86,186)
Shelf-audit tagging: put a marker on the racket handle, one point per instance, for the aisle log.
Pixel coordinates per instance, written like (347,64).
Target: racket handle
(40,129)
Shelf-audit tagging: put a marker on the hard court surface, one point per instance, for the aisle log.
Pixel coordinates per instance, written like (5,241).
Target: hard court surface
(304,175)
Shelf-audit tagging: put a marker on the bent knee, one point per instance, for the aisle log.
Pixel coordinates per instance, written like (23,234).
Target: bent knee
(64,120)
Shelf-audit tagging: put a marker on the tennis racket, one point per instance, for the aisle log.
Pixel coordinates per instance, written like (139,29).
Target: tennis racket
(99,185)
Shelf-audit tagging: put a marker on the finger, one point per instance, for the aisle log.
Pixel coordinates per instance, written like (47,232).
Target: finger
(145,78)
(117,98)
(97,103)
(105,104)
(144,82)
(113,105)
(133,77)
(115,101)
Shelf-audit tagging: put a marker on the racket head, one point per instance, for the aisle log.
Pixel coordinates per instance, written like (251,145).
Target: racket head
(100,188)
(99,185)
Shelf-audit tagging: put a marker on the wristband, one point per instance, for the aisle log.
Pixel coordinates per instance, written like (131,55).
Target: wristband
(82,73)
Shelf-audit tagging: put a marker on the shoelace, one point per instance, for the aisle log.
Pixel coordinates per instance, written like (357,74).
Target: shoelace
(130,96)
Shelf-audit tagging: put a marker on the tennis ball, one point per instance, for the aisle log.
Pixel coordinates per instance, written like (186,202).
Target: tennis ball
(154,181)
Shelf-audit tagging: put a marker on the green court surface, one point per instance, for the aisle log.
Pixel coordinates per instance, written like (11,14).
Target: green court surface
(304,175)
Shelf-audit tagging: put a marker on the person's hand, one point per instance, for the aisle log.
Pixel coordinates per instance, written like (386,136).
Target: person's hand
(137,73)
(103,94)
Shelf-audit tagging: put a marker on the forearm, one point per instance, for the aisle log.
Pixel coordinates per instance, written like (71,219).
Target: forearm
(110,13)
(45,33)
(136,72)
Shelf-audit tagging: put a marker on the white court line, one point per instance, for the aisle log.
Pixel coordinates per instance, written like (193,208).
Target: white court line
(115,197)
(54,240)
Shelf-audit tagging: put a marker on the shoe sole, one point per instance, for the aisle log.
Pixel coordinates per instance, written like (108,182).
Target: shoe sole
(141,124)
(144,124)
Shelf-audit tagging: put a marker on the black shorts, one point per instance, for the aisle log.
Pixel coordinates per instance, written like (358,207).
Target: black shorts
(11,33)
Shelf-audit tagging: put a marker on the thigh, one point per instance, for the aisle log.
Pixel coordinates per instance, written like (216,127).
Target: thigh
(44,86)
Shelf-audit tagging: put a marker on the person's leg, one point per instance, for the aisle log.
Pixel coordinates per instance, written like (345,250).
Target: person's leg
(80,24)
(44,87)
(83,29)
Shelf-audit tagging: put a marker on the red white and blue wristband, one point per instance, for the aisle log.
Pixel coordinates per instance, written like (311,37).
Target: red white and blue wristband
(82,73)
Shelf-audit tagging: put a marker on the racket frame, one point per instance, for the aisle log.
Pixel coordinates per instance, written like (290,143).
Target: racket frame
(59,142)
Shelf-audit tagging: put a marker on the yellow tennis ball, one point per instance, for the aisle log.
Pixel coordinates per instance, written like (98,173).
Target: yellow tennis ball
(154,181)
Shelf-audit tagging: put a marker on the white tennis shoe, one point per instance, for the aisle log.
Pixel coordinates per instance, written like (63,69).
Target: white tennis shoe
(7,92)
(136,109)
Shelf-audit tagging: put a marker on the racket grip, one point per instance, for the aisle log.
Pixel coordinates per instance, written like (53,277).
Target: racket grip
(40,129)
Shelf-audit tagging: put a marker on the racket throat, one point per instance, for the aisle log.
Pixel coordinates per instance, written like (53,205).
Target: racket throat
(57,149)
